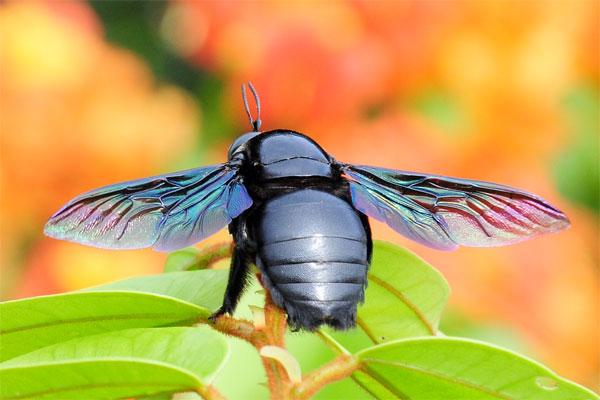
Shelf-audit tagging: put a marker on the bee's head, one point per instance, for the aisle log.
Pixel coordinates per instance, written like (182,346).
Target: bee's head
(238,144)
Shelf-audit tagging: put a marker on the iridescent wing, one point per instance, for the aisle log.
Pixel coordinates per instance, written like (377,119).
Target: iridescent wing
(443,213)
(166,212)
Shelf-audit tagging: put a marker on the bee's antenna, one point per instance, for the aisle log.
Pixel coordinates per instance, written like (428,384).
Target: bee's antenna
(254,122)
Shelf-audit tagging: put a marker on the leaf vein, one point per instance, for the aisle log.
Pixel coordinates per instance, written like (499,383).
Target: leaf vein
(428,325)
(92,386)
(438,375)
(96,319)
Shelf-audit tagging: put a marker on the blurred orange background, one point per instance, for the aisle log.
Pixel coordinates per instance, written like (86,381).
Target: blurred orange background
(503,91)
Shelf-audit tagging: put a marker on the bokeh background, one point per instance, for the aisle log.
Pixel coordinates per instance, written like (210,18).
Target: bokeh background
(506,91)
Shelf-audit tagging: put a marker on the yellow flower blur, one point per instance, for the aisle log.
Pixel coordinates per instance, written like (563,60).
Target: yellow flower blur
(77,113)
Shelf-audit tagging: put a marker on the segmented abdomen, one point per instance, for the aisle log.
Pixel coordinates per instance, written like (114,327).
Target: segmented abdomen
(312,249)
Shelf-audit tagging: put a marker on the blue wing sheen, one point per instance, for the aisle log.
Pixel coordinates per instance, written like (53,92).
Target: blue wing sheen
(443,212)
(166,212)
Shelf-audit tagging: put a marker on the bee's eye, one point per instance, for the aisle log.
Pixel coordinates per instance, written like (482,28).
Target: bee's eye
(241,140)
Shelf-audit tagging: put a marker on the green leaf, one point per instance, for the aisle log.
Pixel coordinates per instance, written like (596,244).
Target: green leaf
(405,298)
(136,362)
(32,323)
(204,288)
(178,298)
(191,258)
(451,368)
(182,260)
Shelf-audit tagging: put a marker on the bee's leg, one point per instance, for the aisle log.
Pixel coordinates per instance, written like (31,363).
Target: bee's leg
(240,268)
(238,277)
(365,222)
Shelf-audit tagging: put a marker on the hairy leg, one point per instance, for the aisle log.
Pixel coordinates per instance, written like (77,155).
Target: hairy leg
(241,260)
(238,277)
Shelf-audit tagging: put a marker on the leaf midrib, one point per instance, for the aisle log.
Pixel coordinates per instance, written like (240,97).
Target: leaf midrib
(96,319)
(131,360)
(83,387)
(397,293)
(429,372)
(384,383)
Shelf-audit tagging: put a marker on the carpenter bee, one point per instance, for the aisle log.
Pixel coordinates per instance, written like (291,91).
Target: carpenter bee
(301,217)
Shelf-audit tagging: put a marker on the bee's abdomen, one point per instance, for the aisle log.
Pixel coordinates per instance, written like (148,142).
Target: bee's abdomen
(313,251)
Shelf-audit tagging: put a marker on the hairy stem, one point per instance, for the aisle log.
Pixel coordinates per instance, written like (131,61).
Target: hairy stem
(340,368)
(239,328)
(212,254)
(274,335)
(271,334)
(275,322)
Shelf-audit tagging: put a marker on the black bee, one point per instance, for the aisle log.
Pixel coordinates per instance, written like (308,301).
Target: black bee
(301,217)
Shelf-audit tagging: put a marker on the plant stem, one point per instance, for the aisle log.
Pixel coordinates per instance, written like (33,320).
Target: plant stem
(212,254)
(275,322)
(340,368)
(274,335)
(209,392)
(239,328)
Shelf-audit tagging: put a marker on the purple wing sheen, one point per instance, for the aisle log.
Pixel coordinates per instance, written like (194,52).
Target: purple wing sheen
(444,213)
(166,212)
